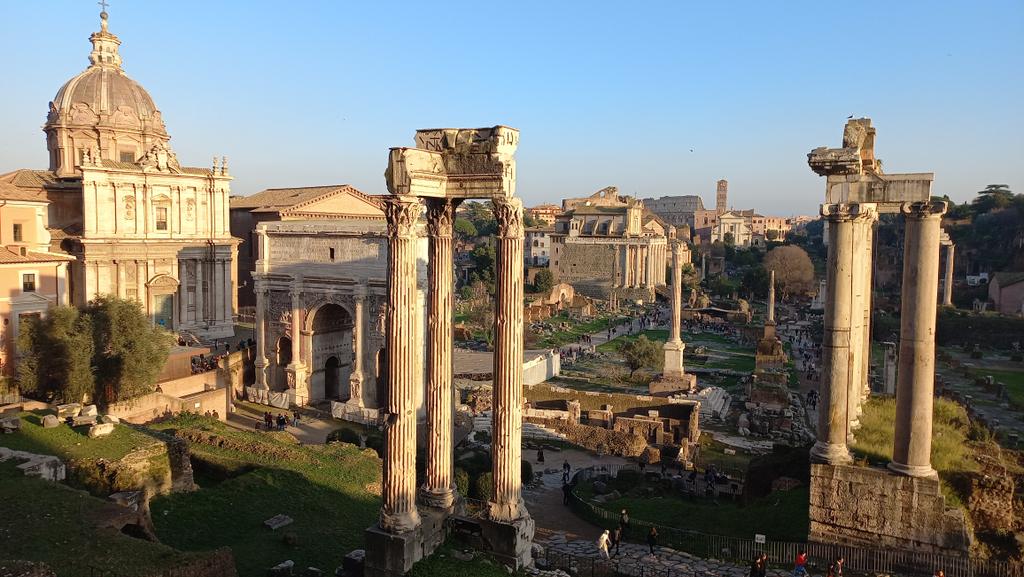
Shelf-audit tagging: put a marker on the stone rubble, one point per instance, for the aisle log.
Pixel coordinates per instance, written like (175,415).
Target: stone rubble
(45,467)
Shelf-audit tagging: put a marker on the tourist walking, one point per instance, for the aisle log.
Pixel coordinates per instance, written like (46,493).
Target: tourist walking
(540,455)
(566,493)
(624,521)
(602,545)
(617,539)
(836,568)
(295,418)
(652,539)
(759,567)
(800,564)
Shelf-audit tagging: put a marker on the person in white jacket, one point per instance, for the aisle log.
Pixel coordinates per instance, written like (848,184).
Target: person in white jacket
(602,544)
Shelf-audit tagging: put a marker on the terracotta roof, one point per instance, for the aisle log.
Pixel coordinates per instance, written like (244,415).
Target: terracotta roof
(282,199)
(38,179)
(12,192)
(69,231)
(1008,278)
(12,255)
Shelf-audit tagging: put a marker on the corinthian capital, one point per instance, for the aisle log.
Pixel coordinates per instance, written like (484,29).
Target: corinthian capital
(441,216)
(401,213)
(922,210)
(849,211)
(509,214)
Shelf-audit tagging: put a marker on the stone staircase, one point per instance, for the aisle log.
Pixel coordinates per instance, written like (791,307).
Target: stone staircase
(482,422)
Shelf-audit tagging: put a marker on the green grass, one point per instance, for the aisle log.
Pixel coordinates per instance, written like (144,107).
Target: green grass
(1014,381)
(443,564)
(329,491)
(578,329)
(712,451)
(47,522)
(780,516)
(950,426)
(68,443)
(657,335)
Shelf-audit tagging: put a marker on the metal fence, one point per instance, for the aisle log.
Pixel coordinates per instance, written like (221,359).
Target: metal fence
(781,553)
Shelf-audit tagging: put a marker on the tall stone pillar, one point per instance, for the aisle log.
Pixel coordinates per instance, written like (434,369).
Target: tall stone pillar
(261,337)
(867,274)
(398,509)
(506,504)
(439,490)
(674,347)
(947,285)
(295,372)
(771,296)
(915,380)
(355,381)
(857,307)
(639,266)
(833,421)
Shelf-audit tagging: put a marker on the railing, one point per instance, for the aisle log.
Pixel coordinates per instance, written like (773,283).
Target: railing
(892,562)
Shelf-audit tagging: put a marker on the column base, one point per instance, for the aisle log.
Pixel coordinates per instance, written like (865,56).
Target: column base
(296,375)
(439,499)
(510,542)
(393,555)
(833,454)
(913,470)
(665,383)
(397,523)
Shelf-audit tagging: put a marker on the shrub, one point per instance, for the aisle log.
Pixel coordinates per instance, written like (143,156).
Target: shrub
(484,487)
(526,470)
(461,479)
(375,441)
(343,435)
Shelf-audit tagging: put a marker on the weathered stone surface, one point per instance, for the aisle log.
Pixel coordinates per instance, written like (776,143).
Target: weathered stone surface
(83,420)
(50,421)
(69,410)
(283,569)
(278,521)
(109,419)
(10,424)
(101,430)
(89,411)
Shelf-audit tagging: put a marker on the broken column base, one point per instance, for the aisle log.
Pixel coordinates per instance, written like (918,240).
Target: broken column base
(664,384)
(509,542)
(877,508)
(393,555)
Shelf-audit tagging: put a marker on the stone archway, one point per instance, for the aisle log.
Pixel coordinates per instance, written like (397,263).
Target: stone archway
(331,333)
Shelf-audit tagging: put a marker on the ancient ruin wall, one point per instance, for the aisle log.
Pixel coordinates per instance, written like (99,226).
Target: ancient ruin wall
(873,507)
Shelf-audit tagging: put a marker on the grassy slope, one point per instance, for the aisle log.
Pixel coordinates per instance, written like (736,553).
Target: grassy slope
(722,352)
(42,521)
(328,490)
(69,443)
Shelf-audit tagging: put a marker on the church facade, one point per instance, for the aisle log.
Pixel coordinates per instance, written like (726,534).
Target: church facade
(138,223)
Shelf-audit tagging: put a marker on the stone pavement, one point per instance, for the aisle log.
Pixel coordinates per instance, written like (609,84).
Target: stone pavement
(311,430)
(997,413)
(634,559)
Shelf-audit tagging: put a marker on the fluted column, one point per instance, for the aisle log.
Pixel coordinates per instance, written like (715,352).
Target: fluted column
(506,504)
(868,279)
(439,490)
(915,380)
(398,508)
(857,307)
(261,337)
(355,381)
(296,371)
(833,422)
(947,286)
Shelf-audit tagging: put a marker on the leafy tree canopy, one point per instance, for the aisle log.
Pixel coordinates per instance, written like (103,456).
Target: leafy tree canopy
(638,353)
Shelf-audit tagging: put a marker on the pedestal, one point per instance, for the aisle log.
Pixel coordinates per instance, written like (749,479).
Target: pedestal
(509,542)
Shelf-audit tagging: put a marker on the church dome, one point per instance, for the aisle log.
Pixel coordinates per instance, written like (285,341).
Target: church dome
(101,112)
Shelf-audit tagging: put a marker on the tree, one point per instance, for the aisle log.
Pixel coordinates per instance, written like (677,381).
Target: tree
(729,239)
(794,272)
(638,353)
(755,281)
(543,281)
(465,228)
(108,352)
(994,197)
(130,351)
(57,352)
(771,234)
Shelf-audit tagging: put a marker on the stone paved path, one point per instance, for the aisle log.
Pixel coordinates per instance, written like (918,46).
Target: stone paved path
(997,413)
(311,430)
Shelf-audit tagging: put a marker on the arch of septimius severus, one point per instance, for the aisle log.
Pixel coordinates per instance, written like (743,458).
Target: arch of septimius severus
(446,167)
(901,506)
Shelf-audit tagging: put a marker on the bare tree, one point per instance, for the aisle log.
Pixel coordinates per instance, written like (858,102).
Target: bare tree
(794,272)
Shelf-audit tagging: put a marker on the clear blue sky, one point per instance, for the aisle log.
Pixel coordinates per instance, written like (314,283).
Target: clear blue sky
(618,93)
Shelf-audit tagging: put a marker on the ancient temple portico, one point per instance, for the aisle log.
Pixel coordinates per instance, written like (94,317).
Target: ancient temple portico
(446,167)
(844,499)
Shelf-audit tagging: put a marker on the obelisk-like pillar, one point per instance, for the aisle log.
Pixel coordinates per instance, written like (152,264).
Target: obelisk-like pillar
(771,297)
(439,490)
(674,347)
(355,380)
(506,504)
(261,338)
(947,285)
(398,512)
(915,380)
(833,420)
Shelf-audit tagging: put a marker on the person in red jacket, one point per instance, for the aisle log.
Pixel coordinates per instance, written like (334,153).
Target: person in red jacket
(800,564)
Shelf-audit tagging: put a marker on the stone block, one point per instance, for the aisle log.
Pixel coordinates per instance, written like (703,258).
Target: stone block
(283,569)
(89,411)
(390,555)
(278,521)
(510,543)
(352,564)
(100,430)
(109,419)
(10,424)
(128,499)
(68,410)
(82,421)
(50,421)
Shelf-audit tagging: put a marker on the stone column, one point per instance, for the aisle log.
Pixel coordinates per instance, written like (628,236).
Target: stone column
(506,504)
(857,308)
(261,336)
(296,371)
(771,297)
(200,297)
(915,381)
(674,347)
(639,274)
(947,286)
(833,422)
(355,381)
(439,490)
(398,510)
(868,279)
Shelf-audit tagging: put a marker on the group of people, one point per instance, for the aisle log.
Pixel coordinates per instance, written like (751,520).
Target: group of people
(612,539)
(278,423)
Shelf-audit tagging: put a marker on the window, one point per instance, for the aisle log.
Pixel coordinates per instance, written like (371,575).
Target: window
(17,232)
(28,283)
(127,156)
(331,251)
(161,218)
